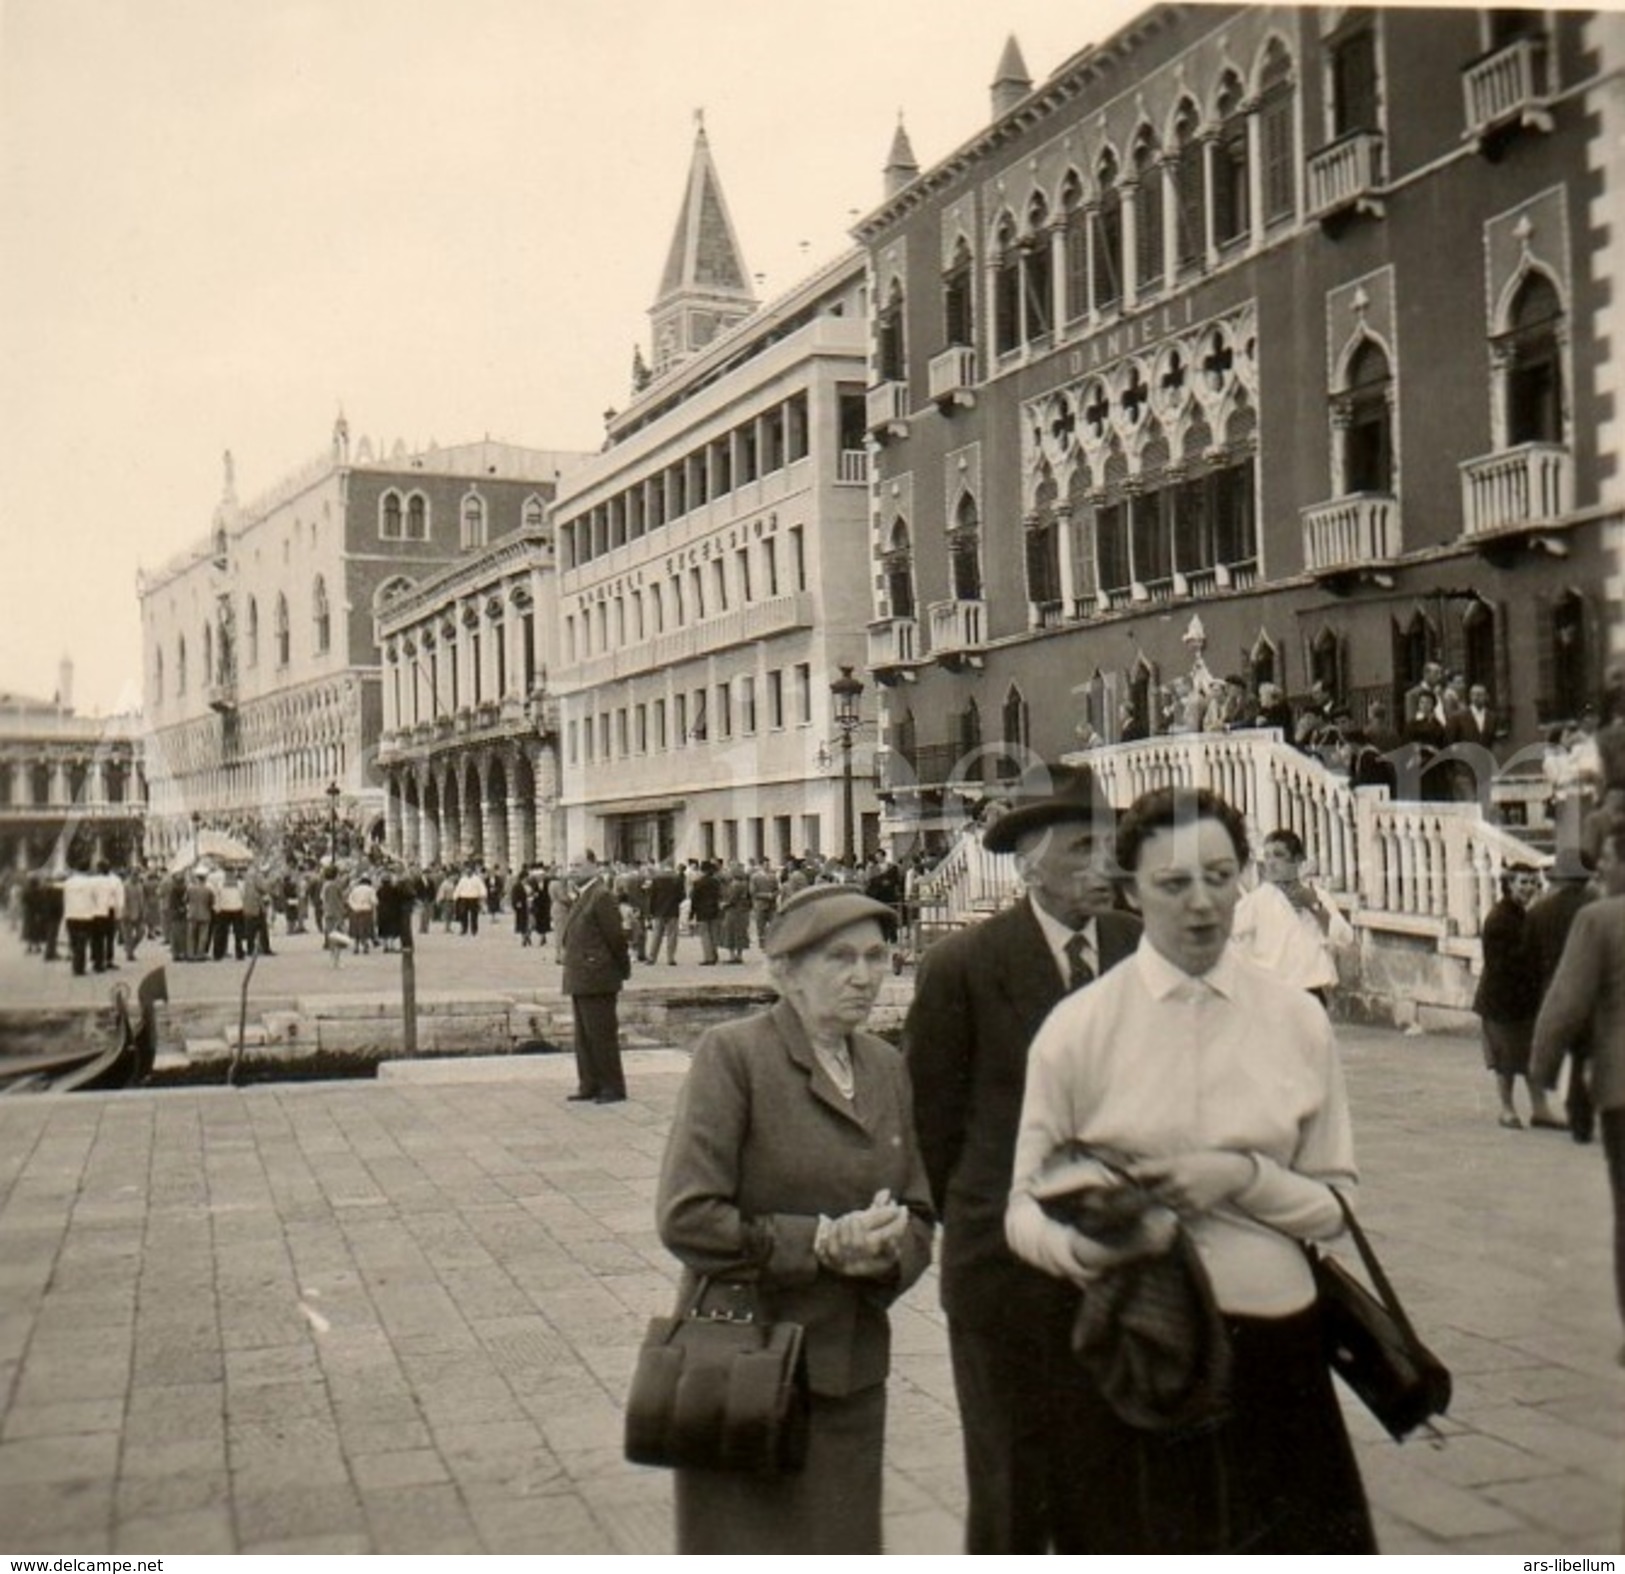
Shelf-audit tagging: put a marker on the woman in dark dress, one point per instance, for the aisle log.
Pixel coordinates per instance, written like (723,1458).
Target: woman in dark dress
(1507,999)
(519,897)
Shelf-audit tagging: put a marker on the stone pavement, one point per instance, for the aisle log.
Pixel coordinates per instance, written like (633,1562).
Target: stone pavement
(401,1316)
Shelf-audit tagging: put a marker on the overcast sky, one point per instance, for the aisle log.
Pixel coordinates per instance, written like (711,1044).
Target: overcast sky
(222,220)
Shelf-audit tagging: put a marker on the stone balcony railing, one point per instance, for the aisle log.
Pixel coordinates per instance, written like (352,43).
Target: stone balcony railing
(894,642)
(1346,173)
(886,409)
(957,627)
(1509,85)
(951,376)
(1352,532)
(1532,484)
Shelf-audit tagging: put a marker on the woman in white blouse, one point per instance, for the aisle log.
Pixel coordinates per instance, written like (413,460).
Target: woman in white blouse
(1223,1085)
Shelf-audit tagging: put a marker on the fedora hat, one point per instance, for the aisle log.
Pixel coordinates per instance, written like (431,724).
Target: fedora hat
(1048,795)
(818,912)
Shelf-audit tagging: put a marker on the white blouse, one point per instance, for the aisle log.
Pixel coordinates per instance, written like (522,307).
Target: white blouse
(1153,1062)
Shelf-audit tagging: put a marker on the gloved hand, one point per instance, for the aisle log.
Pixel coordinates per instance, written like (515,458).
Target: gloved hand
(865,1242)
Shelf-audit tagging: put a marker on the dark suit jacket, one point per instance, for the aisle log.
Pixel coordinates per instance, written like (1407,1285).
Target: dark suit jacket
(980,997)
(596,956)
(665,894)
(761,1144)
(1462,728)
(1587,1003)
(705,897)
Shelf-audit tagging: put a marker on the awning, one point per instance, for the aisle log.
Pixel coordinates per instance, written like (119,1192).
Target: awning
(606,811)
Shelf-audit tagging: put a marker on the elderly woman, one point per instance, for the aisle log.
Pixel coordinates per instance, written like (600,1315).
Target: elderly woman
(1232,1140)
(792,1164)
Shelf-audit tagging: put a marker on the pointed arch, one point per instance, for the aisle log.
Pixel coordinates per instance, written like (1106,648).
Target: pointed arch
(282,631)
(1074,247)
(1006,256)
(898,567)
(891,348)
(1190,185)
(1109,262)
(390,527)
(959,296)
(1150,245)
(1275,90)
(1528,355)
(965,550)
(321,617)
(251,632)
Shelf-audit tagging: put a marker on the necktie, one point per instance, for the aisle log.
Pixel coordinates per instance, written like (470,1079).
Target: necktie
(1079,972)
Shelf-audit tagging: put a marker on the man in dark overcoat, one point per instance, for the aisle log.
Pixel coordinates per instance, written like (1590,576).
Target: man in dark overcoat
(597,961)
(979,1000)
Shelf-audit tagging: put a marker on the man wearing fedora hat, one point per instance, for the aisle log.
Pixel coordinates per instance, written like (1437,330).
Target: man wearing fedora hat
(979,1000)
(597,961)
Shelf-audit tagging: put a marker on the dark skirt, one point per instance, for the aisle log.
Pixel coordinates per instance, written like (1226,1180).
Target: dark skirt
(1278,1476)
(1507,1047)
(831,1505)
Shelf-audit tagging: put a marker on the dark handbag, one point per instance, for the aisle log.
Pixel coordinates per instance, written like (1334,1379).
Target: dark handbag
(716,1388)
(1371,1344)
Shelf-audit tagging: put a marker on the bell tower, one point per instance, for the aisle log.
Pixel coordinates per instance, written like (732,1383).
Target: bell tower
(704,288)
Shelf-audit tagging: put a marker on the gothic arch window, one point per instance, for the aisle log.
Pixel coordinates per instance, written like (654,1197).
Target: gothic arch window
(1232,210)
(1037,272)
(965,551)
(158,674)
(252,633)
(1530,354)
(1478,645)
(534,513)
(321,616)
(389,516)
(958,298)
(1044,556)
(1352,75)
(890,359)
(1326,661)
(1563,648)
(1074,249)
(473,522)
(1149,244)
(1190,187)
(1264,662)
(207,673)
(282,631)
(417,517)
(899,570)
(1363,413)
(1108,263)
(1277,130)
(180,665)
(1015,727)
(1006,287)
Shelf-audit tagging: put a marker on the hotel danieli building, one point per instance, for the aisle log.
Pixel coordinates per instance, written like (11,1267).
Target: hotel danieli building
(1287,337)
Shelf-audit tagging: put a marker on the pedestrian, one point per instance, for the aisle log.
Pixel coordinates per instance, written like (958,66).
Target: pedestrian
(256,914)
(334,913)
(792,1164)
(736,909)
(133,919)
(468,897)
(393,915)
(705,908)
(1232,1141)
(228,915)
(541,905)
(1507,999)
(362,902)
(199,917)
(81,904)
(109,911)
(1287,926)
(665,911)
(1546,931)
(980,996)
(597,962)
(1586,1005)
(519,900)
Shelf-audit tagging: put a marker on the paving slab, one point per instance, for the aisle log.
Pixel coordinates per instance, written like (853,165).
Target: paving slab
(401,1316)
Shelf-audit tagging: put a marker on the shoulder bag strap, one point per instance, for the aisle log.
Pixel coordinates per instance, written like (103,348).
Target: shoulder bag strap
(1374,1268)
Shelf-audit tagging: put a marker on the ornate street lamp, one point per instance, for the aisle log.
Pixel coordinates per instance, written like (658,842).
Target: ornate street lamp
(847,691)
(333,822)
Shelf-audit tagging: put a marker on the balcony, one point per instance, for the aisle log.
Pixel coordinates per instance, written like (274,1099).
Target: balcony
(1352,534)
(221,696)
(852,467)
(1521,489)
(1346,175)
(951,378)
(1506,91)
(958,632)
(894,649)
(886,410)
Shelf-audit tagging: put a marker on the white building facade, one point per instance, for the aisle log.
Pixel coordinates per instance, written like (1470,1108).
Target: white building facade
(713,573)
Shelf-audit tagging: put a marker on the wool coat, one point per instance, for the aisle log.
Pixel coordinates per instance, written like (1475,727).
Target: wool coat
(761,1144)
(597,958)
(1587,1001)
(979,999)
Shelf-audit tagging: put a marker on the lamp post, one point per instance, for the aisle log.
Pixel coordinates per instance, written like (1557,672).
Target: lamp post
(333,822)
(846,690)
